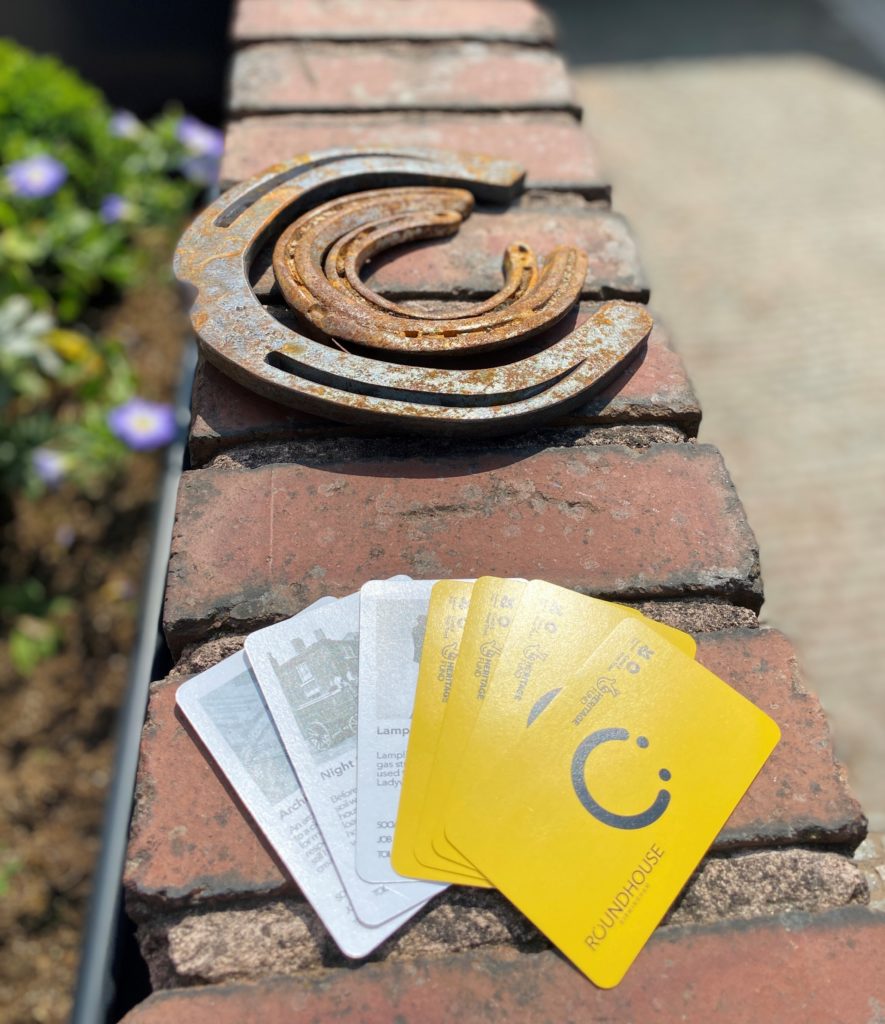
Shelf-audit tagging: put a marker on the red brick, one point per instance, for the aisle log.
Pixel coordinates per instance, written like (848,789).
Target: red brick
(468,265)
(515,21)
(271,77)
(555,150)
(225,414)
(801,795)
(823,969)
(189,841)
(251,545)
(191,844)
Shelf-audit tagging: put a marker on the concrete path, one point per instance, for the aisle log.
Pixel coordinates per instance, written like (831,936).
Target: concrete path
(747,146)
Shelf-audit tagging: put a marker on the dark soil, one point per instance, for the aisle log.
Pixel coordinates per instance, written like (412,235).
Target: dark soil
(56,725)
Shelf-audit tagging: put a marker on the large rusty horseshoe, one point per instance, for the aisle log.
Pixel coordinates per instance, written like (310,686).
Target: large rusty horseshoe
(509,390)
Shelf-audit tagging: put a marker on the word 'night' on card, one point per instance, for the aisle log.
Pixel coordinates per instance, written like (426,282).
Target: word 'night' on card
(617,798)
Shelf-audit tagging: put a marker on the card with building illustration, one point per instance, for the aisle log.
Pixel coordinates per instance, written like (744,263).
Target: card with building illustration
(393,618)
(307,669)
(227,712)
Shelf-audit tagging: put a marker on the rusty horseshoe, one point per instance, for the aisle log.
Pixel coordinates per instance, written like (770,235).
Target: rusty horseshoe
(492,367)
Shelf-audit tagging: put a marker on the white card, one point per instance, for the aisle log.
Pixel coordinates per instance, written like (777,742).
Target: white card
(393,616)
(307,669)
(226,710)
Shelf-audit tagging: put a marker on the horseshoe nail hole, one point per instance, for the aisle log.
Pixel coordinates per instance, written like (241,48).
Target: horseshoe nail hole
(411,334)
(642,741)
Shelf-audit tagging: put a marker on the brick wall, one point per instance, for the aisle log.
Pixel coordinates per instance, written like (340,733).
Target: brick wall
(617,499)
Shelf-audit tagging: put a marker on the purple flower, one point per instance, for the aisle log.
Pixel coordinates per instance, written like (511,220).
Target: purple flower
(201,170)
(37,176)
(199,138)
(124,124)
(143,425)
(65,535)
(49,465)
(114,208)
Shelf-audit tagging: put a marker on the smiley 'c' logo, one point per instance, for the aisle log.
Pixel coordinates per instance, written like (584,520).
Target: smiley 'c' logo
(607,817)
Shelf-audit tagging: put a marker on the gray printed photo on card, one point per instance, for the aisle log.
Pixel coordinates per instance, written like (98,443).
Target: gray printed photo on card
(393,618)
(238,712)
(401,623)
(320,681)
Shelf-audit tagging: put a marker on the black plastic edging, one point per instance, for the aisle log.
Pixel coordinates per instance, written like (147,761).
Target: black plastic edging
(100,993)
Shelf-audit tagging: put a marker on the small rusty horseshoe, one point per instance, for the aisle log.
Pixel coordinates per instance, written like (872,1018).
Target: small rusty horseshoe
(318,259)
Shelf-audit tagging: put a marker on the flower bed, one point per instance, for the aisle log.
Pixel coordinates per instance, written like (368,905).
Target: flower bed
(91,202)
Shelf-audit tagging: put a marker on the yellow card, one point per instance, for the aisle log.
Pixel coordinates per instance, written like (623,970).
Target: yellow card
(554,631)
(446,615)
(492,608)
(605,807)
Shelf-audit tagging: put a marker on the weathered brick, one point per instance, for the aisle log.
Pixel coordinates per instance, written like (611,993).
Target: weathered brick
(699,615)
(798,969)
(801,795)
(356,446)
(252,545)
(269,77)
(256,939)
(555,150)
(515,21)
(252,940)
(226,414)
(190,843)
(468,265)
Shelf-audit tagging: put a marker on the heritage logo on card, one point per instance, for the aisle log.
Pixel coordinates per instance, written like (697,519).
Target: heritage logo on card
(603,814)
(605,686)
(447,669)
(488,651)
(532,654)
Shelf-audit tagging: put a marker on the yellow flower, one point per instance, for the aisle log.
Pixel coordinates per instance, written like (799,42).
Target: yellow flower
(75,348)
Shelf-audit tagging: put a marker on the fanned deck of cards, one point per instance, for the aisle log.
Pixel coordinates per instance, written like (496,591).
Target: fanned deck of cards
(499,733)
